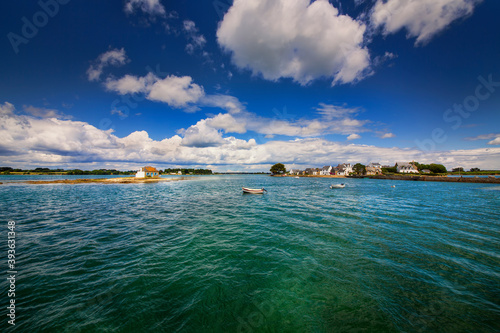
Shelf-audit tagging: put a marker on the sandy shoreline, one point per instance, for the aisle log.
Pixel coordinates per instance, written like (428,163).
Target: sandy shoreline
(124,180)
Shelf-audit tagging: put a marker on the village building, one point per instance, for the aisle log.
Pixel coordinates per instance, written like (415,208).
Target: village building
(343,169)
(375,165)
(147,171)
(404,167)
(326,170)
(373,169)
(309,171)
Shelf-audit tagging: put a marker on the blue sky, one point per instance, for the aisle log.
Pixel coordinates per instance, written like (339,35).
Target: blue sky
(238,86)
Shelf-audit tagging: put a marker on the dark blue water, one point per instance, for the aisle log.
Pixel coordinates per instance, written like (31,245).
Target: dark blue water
(199,256)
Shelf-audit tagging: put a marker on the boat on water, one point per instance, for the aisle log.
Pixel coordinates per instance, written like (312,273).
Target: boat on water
(254,190)
(296,177)
(337,185)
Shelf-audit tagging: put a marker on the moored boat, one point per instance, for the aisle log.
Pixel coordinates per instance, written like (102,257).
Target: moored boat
(337,186)
(254,190)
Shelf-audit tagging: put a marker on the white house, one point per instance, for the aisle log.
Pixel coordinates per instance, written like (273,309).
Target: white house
(404,167)
(294,171)
(147,171)
(344,169)
(326,170)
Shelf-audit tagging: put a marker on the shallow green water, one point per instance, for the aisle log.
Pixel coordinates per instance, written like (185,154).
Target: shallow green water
(199,256)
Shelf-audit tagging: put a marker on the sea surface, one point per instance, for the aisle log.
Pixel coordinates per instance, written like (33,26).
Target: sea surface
(200,256)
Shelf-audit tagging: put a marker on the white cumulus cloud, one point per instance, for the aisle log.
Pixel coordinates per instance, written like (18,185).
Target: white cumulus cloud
(151,7)
(7,109)
(201,135)
(494,136)
(294,39)
(195,40)
(176,91)
(387,136)
(228,123)
(495,141)
(115,57)
(26,141)
(44,112)
(422,19)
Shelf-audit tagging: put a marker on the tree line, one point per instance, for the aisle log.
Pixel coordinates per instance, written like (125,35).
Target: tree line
(185,171)
(188,171)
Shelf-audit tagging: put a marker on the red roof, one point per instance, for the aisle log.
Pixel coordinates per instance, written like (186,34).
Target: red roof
(149,169)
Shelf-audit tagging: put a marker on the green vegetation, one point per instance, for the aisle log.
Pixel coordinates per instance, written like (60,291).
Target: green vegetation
(389,170)
(434,168)
(98,172)
(359,169)
(278,168)
(47,171)
(188,171)
(477,173)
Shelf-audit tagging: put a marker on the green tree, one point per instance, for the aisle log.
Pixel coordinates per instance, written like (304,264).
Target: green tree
(474,169)
(278,168)
(393,169)
(359,169)
(437,168)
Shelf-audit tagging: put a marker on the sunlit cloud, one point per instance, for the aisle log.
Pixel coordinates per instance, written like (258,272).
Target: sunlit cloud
(25,140)
(316,41)
(115,57)
(422,19)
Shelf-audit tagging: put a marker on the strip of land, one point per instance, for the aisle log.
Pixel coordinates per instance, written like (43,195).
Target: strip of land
(119,180)
(483,180)
(486,180)
(310,176)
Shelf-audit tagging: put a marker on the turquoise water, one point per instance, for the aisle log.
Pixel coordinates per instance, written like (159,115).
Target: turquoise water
(199,256)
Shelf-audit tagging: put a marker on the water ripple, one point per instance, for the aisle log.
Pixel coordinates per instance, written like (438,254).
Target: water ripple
(200,256)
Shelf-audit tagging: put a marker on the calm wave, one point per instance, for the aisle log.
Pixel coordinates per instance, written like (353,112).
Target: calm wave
(199,256)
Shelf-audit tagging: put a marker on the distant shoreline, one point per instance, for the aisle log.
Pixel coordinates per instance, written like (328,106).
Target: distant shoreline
(310,176)
(446,179)
(408,177)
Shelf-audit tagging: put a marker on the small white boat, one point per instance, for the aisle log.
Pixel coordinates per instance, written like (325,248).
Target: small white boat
(254,190)
(296,177)
(337,186)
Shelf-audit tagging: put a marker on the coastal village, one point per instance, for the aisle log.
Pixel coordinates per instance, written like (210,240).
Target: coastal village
(346,169)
